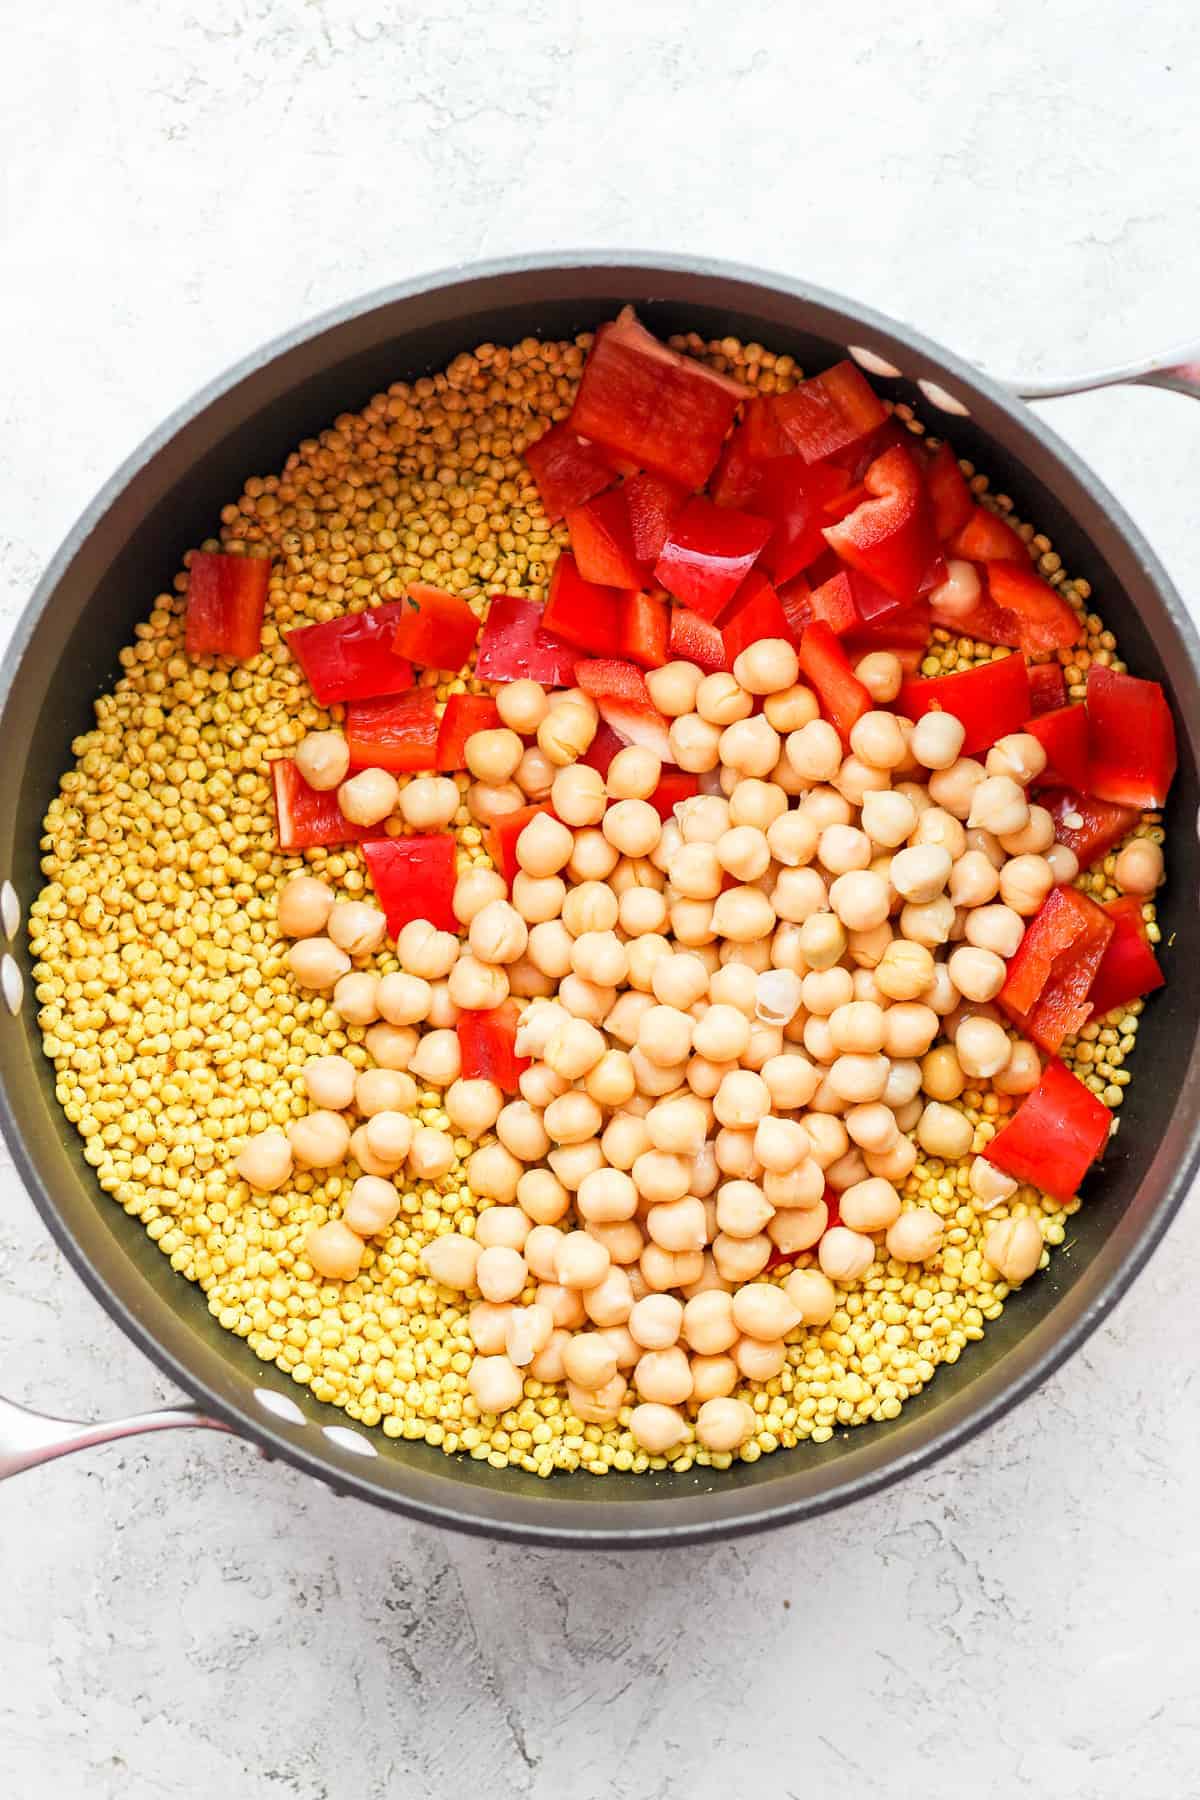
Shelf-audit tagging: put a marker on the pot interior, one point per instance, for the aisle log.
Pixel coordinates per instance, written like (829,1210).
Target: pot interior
(128,548)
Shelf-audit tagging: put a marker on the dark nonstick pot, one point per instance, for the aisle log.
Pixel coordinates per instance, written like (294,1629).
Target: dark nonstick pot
(126,548)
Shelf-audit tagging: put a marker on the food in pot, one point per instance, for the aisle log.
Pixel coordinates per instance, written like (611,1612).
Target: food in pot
(604,919)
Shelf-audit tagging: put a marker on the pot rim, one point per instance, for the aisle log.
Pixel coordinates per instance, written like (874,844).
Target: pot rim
(557,1521)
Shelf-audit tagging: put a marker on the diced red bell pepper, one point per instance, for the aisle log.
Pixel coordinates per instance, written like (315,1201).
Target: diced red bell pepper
(584,613)
(516,646)
(763,424)
(602,541)
(351,658)
(949,494)
(1089,827)
(991,700)
(1018,608)
(851,601)
(501,838)
(308,817)
(708,555)
(1063,735)
(823,663)
(465,714)
(1129,968)
(397,731)
(619,690)
(890,536)
(602,749)
(858,459)
(793,494)
(833,601)
(1055,1134)
(754,613)
(696,640)
(652,502)
(1051,973)
(414,878)
(1047,688)
(1131,739)
(487,1043)
(674,786)
(795,597)
(908,626)
(435,629)
(226,597)
(736,478)
(830,412)
(986,538)
(653,405)
(568,469)
(645,629)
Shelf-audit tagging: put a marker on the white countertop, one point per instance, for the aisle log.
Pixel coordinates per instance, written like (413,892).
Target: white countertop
(181,1618)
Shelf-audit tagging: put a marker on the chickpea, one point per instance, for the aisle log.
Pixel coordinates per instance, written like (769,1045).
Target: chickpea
(368,797)
(551,948)
(815,751)
(999,805)
(660,1176)
(998,928)
(953,788)
(356,997)
(633,827)
(544,847)
(450,1260)
(544,1199)
(905,970)
(655,1321)
(496,1384)
(566,732)
(599,1406)
(679,981)
(303,907)
(486,803)
(522,706)
(881,674)
(593,858)
(612,1081)
(813,1295)
(937,740)
(642,910)
(1062,863)
(1025,883)
(765,1312)
(673,688)
(755,803)
(329,1082)
(1139,867)
(695,744)
(1019,756)
(743,915)
(888,818)
(760,1360)
(944,1132)
(528,1332)
(1014,1249)
(473,1106)
(589,1361)
(977,974)
(920,874)
(373,1205)
(599,957)
(990,1185)
(876,739)
(791,708)
(982,1047)
(662,1269)
(476,986)
(321,1140)
(742,1099)
(722,1035)
(742,1209)
(423,950)
(845,1255)
(798,894)
(323,760)
(734,985)
(429,802)
(497,934)
(798,1229)
(334,1251)
(437,1059)
(733,1153)
(870,1205)
(547,1365)
(714,1378)
(624,1021)
(606,1196)
(565,1304)
(678,1125)
(872,1126)
(664,1376)
(488,1326)
(492,1172)
(1021,1073)
(802,1186)
(750,746)
(534,777)
(930,923)
(658,1429)
(577,795)
(858,1078)
(387,1139)
(860,899)
(265,1161)
(903,1083)
(573,1118)
(825,807)
(707,1323)
(316,962)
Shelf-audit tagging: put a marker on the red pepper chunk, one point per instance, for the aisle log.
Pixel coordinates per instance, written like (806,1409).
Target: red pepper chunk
(949,495)
(308,818)
(414,878)
(1049,980)
(583,612)
(1129,968)
(516,646)
(436,630)
(603,747)
(696,640)
(755,613)
(501,838)
(986,538)
(890,536)
(397,731)
(674,786)
(487,1043)
(226,597)
(568,469)
(1063,735)
(645,629)
(1131,739)
(1047,688)
(1018,608)
(1089,827)
(737,476)
(651,404)
(602,541)
(465,714)
(825,666)
(653,503)
(990,700)
(1055,1134)
(794,494)
(620,692)
(351,658)
(708,555)
(830,412)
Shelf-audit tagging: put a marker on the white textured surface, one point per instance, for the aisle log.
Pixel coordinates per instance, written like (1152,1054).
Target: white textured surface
(182,182)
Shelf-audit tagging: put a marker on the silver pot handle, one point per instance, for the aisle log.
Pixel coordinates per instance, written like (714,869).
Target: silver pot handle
(29,1438)
(1177,369)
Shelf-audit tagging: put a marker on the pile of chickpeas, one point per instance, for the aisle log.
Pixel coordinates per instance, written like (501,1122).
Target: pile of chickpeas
(274,1089)
(727,1013)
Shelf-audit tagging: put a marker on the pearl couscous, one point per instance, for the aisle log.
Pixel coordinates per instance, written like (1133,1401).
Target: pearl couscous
(734,1192)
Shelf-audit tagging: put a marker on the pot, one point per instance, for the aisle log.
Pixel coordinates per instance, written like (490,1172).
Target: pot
(125,548)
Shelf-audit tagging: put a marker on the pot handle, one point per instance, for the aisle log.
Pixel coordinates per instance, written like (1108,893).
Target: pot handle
(1178,370)
(29,1438)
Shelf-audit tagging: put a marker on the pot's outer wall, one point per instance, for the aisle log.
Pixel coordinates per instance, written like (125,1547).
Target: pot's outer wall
(127,548)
